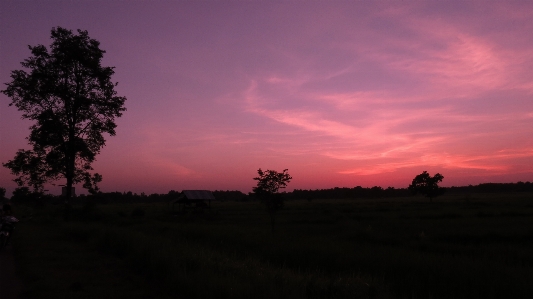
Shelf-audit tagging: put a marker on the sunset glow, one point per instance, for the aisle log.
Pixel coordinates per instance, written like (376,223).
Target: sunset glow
(342,93)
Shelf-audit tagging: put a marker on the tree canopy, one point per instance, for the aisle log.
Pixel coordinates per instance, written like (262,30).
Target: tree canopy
(70,96)
(427,185)
(270,181)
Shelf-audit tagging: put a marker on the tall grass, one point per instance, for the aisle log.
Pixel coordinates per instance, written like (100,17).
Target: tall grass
(401,248)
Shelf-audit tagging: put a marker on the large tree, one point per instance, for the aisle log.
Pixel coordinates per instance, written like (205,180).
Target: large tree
(427,185)
(71,99)
(268,184)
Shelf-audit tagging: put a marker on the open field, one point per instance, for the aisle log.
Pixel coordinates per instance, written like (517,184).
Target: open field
(478,246)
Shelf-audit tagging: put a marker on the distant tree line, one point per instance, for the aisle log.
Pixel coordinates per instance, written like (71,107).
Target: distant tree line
(230,195)
(391,192)
(356,192)
(24,194)
(493,188)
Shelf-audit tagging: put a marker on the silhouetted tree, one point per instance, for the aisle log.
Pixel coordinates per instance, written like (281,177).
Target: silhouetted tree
(91,182)
(25,195)
(2,193)
(172,196)
(268,184)
(71,98)
(31,168)
(427,185)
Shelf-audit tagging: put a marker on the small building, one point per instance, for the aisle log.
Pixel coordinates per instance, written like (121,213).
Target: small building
(198,198)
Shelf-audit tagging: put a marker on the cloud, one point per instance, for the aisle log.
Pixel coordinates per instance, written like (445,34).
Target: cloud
(495,163)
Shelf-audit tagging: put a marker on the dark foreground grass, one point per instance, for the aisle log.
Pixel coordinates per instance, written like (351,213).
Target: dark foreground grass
(475,247)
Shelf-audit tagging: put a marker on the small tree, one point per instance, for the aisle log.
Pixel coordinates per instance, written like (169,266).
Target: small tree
(70,96)
(268,184)
(427,185)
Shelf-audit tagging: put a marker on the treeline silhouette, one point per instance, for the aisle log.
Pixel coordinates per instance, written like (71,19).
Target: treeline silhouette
(298,194)
(493,188)
(379,192)
(356,192)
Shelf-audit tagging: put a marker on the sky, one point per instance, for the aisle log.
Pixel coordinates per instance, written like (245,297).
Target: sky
(340,93)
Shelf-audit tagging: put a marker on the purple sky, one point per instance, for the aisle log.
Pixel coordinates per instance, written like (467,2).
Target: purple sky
(342,93)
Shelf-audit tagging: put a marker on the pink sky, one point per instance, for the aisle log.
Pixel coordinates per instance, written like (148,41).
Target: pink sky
(342,93)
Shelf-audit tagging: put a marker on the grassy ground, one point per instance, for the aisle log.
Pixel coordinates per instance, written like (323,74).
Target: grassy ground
(479,246)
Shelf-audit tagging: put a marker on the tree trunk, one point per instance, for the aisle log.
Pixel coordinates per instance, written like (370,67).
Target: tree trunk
(272,223)
(71,159)
(68,196)
(70,156)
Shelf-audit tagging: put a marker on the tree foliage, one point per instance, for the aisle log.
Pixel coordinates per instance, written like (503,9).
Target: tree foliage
(427,185)
(91,183)
(270,181)
(71,99)
(31,168)
(268,184)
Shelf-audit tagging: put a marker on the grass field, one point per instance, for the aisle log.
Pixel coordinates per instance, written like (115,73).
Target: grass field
(478,246)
